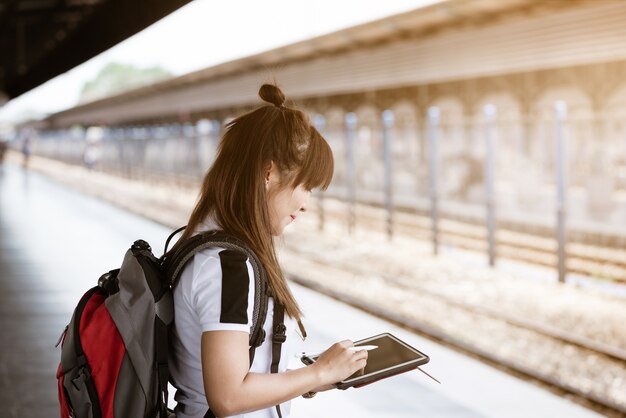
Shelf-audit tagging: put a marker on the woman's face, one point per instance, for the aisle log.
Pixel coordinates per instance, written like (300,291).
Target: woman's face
(286,204)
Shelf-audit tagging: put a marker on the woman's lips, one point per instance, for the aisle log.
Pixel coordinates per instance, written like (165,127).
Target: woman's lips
(293,218)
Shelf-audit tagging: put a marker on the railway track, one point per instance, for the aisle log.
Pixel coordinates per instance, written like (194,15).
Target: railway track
(559,337)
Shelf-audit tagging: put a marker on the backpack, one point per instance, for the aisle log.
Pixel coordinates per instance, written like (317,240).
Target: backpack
(114,351)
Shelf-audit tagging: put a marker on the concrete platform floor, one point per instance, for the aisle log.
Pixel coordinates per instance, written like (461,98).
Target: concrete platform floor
(55,243)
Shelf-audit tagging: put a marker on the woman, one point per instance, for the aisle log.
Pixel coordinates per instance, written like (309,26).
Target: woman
(267,163)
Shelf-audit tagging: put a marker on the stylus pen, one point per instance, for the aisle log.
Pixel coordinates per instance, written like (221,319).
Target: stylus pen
(355,348)
(362,347)
(428,375)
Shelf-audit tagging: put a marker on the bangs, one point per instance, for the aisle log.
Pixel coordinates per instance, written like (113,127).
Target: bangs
(318,165)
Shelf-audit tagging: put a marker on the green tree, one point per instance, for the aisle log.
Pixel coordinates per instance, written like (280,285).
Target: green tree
(115,78)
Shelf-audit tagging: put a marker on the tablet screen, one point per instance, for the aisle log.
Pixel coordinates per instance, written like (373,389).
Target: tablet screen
(391,353)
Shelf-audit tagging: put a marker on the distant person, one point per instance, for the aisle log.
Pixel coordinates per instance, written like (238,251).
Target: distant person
(26,149)
(91,155)
(268,161)
(3,149)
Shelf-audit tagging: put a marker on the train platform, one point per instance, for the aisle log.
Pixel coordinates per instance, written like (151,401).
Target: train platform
(55,242)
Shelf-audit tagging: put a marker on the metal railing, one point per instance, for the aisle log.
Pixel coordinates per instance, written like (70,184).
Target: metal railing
(484,169)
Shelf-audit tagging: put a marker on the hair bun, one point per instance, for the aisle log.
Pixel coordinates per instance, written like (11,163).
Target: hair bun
(272,94)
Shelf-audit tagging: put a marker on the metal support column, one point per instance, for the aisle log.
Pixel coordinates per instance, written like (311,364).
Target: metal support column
(387,119)
(320,124)
(351,175)
(560,110)
(490,112)
(433,127)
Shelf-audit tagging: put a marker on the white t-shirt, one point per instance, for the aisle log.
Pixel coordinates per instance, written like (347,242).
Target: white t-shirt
(198,307)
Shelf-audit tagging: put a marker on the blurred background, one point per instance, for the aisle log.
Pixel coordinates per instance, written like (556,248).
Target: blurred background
(478,206)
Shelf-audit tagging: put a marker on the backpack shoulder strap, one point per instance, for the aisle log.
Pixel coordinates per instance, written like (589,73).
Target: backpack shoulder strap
(175,263)
(279,336)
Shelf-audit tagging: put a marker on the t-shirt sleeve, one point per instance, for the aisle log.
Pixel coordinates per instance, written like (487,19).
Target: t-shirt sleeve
(223,291)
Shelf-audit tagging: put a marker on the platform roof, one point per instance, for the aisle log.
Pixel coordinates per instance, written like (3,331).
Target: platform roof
(420,28)
(41,39)
(415,24)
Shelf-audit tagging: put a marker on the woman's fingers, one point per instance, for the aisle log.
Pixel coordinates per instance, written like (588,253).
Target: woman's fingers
(362,362)
(360,359)
(338,362)
(346,343)
(359,356)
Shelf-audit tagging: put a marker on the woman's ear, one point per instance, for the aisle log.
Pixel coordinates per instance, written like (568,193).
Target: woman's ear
(267,173)
(270,174)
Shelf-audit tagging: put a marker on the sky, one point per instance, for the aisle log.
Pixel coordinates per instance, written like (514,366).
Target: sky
(204,33)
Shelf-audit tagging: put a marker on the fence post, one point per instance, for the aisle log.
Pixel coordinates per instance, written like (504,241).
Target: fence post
(490,112)
(351,122)
(560,110)
(387,119)
(433,125)
(216,126)
(190,135)
(320,124)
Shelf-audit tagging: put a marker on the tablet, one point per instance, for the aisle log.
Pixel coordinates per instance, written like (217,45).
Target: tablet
(393,356)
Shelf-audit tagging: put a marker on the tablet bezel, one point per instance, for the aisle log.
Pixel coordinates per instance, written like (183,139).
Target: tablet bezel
(380,374)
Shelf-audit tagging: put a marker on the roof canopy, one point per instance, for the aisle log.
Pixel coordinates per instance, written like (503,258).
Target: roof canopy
(41,39)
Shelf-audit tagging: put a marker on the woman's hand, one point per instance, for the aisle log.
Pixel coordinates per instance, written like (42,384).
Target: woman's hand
(337,363)
(231,389)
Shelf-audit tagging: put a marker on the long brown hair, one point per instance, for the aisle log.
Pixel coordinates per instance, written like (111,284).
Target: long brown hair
(233,190)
